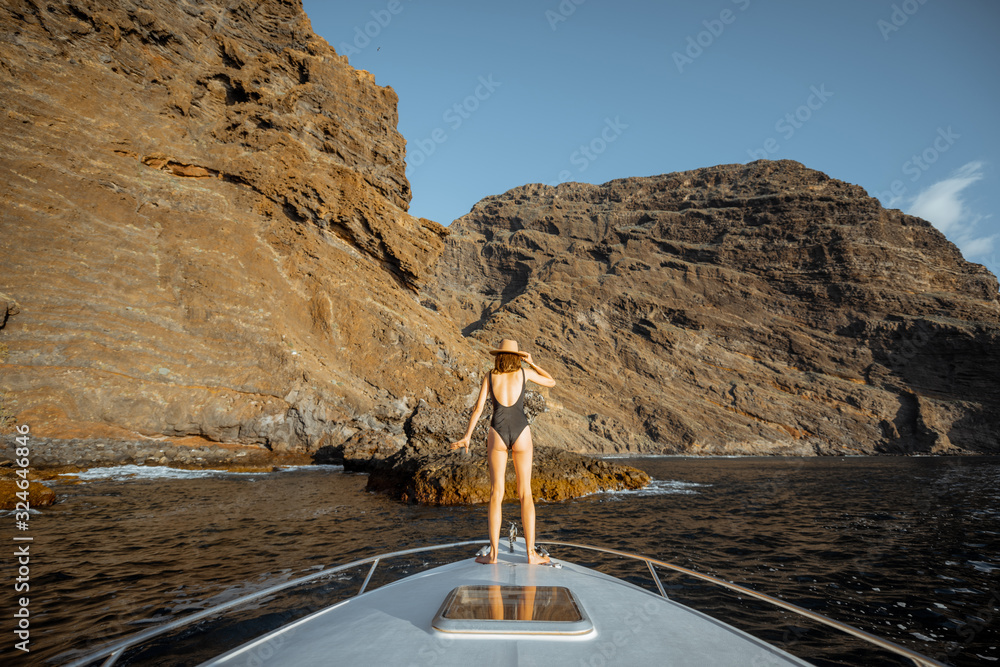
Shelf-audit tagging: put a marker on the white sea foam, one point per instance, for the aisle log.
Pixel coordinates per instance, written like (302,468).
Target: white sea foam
(693,457)
(663,487)
(132,472)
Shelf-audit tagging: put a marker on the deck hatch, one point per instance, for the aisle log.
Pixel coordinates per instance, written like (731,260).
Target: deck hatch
(499,609)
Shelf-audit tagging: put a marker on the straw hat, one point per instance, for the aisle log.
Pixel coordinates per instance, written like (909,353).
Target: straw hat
(508,346)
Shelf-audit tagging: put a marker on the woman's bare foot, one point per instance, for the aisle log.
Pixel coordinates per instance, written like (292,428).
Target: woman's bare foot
(487,559)
(536,559)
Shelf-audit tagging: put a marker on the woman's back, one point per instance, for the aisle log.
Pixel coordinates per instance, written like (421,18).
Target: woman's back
(507,387)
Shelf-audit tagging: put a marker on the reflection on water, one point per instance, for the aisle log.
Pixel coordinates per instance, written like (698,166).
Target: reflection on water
(903,548)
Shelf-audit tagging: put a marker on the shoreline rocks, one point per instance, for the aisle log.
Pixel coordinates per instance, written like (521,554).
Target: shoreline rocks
(49,453)
(423,472)
(39,495)
(358,449)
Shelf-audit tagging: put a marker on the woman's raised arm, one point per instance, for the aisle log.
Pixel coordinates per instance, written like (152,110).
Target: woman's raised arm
(537,374)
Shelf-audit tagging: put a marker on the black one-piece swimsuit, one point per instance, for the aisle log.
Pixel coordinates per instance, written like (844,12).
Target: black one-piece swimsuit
(509,420)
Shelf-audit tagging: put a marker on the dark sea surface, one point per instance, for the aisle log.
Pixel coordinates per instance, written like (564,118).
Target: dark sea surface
(904,548)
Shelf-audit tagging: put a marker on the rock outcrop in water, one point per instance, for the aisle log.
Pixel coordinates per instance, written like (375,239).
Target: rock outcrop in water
(422,468)
(757,309)
(38,495)
(206,255)
(430,476)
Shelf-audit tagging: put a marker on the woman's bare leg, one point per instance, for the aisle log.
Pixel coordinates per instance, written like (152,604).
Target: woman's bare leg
(496,460)
(522,451)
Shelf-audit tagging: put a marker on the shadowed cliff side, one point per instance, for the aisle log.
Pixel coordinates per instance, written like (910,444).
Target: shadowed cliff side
(204,234)
(757,309)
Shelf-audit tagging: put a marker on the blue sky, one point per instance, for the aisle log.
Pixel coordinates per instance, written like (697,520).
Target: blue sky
(897,96)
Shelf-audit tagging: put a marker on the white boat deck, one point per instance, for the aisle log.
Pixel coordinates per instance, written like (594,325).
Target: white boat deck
(394,625)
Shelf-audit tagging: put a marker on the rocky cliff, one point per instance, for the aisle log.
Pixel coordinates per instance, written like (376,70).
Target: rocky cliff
(204,234)
(762,309)
(205,253)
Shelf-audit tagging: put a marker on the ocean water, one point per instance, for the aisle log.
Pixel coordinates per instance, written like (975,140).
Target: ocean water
(904,548)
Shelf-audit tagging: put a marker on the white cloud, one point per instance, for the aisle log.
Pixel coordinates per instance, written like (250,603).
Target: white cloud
(942,205)
(977,247)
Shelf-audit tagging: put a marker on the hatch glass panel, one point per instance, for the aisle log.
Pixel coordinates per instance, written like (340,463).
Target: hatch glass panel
(500,609)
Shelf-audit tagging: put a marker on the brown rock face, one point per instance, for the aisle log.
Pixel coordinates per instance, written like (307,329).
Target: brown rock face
(204,248)
(358,451)
(761,309)
(204,231)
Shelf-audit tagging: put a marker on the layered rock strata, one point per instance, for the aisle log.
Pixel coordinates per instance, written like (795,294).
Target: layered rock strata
(206,255)
(740,309)
(203,233)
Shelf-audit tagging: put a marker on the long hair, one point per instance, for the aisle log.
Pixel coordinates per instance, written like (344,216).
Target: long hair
(507,363)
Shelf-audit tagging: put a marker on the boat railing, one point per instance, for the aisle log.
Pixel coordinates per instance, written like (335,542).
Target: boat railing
(919,659)
(115,650)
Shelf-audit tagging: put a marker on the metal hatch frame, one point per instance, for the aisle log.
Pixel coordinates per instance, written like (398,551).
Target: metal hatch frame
(481,624)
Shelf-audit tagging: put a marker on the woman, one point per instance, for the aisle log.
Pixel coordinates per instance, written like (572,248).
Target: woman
(508,430)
